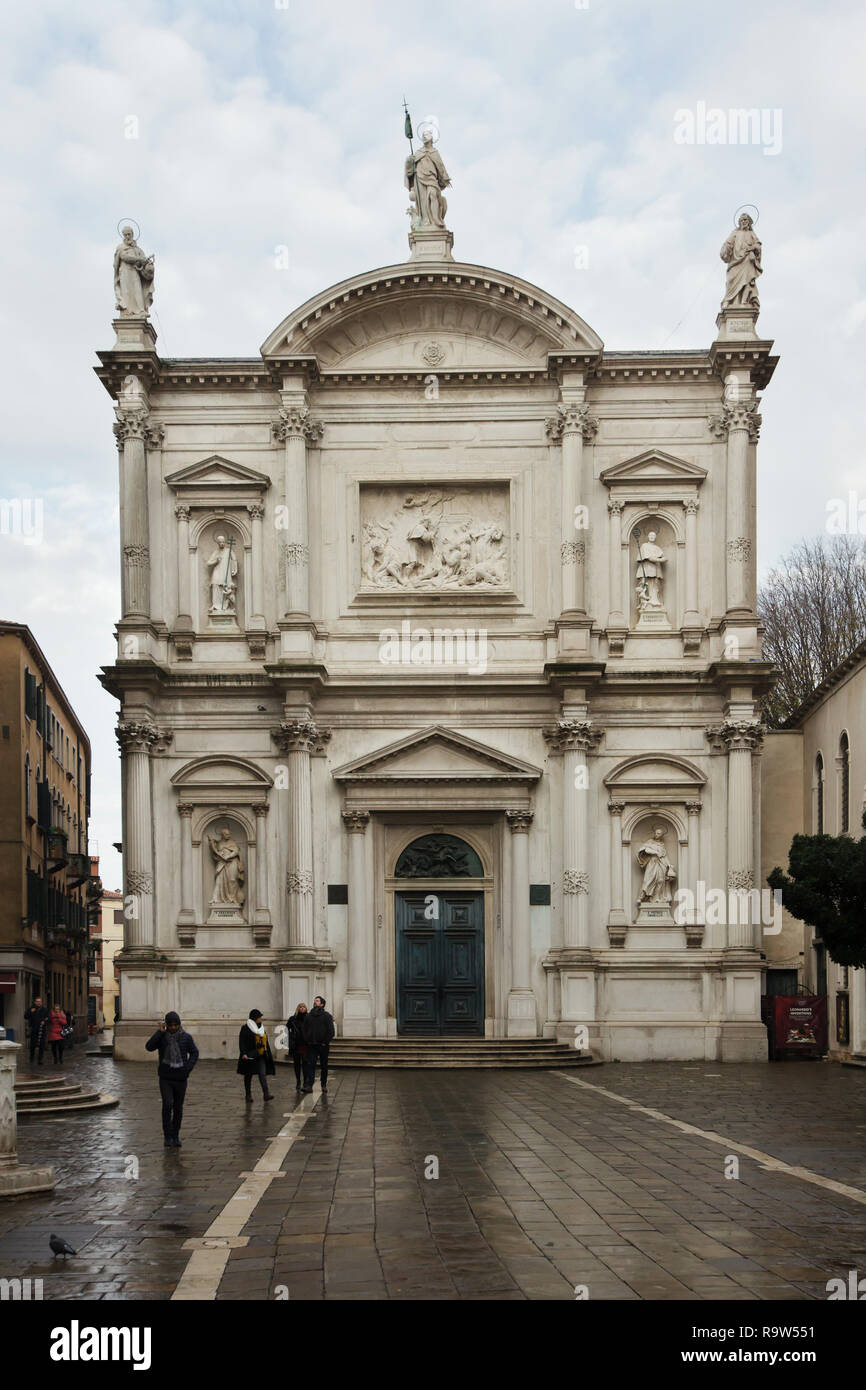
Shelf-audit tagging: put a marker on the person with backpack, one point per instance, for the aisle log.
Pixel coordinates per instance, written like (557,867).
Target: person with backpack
(297,1046)
(318,1032)
(255,1055)
(178,1055)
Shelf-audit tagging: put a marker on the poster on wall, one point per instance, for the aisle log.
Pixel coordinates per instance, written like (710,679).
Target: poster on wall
(800,1025)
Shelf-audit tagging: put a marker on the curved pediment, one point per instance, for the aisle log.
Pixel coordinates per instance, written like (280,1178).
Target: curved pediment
(431,317)
(220,770)
(659,771)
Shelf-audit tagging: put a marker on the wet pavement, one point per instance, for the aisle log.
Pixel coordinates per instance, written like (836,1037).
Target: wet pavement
(489,1185)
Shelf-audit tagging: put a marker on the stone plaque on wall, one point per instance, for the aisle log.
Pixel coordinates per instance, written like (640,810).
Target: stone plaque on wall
(425,538)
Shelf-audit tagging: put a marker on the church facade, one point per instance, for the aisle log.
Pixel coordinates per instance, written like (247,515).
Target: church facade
(439,669)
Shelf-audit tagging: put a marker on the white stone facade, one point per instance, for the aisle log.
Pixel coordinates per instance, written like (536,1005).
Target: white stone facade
(430,448)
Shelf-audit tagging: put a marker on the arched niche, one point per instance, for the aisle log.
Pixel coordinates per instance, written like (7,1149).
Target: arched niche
(225,862)
(665,528)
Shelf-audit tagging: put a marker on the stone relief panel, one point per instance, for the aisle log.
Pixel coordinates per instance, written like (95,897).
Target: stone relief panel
(428,538)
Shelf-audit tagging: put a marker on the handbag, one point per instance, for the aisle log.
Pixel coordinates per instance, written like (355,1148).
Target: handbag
(67,1031)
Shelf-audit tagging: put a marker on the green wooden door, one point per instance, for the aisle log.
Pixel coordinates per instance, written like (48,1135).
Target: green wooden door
(440,963)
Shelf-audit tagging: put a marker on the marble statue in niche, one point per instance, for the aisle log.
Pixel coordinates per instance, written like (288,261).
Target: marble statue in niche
(649,582)
(222,566)
(434,539)
(228,895)
(659,875)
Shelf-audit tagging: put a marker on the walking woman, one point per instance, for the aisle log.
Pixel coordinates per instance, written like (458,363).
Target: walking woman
(255,1055)
(297,1046)
(57,1021)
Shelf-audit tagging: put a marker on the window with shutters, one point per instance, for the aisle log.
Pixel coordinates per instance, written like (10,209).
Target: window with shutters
(844,783)
(819,795)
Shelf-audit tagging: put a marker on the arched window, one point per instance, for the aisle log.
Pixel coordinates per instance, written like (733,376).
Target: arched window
(844,782)
(819,795)
(27,784)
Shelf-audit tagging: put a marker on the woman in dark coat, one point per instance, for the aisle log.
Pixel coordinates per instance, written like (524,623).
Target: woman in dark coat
(297,1046)
(255,1055)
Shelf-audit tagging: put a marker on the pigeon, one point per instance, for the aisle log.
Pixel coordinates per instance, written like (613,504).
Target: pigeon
(60,1246)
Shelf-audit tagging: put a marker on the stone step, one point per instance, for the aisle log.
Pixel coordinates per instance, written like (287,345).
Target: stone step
(93,1100)
(456,1052)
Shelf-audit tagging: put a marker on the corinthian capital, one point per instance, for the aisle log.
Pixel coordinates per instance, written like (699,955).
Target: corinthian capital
(736,417)
(573,733)
(137,424)
(297,423)
(136,736)
(300,736)
(571,419)
(738,735)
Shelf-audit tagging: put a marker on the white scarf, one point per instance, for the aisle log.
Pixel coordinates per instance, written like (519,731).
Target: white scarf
(257,1028)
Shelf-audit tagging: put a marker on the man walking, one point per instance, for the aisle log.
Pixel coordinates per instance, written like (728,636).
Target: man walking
(37,1017)
(178,1055)
(318,1031)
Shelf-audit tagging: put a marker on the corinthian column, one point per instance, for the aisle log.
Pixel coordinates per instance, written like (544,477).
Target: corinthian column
(358,1003)
(296,429)
(297,739)
(616,619)
(571,426)
(617,922)
(740,424)
(575,739)
(741,737)
(263,912)
(257,512)
(521,999)
(136,739)
(186,916)
(135,433)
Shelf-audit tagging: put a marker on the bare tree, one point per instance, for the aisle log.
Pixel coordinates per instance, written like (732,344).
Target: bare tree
(813,608)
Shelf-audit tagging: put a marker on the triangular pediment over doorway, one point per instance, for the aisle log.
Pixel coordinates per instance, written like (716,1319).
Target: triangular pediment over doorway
(220,473)
(653,466)
(437,755)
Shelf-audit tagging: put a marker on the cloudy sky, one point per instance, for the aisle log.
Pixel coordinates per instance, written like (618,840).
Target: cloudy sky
(229,130)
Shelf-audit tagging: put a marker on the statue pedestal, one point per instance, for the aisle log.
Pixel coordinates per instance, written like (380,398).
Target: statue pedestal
(223,622)
(133,334)
(736,324)
(653,620)
(431,244)
(225,915)
(15,1179)
(655,915)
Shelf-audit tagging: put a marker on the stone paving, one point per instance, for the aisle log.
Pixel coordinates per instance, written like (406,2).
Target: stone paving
(542,1185)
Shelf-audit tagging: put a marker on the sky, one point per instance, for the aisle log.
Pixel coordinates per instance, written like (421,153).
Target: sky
(260,148)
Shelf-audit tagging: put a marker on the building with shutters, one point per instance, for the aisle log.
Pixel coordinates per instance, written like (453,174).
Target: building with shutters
(44,861)
(439,671)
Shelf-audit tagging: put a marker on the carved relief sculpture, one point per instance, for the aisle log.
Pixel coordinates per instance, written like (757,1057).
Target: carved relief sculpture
(435,539)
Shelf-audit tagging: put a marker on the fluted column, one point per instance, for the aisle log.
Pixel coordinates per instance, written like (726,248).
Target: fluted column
(257,512)
(135,433)
(691,617)
(136,739)
(571,426)
(521,999)
(187,898)
(616,618)
(263,912)
(739,423)
(358,1001)
(295,428)
(574,739)
(617,922)
(297,739)
(741,737)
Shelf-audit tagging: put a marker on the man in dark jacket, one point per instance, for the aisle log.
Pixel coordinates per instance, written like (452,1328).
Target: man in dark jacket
(178,1055)
(37,1017)
(318,1032)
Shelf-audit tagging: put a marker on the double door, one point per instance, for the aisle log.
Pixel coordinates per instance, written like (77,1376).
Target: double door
(440,963)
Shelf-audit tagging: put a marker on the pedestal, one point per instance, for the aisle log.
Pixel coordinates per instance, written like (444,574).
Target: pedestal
(15,1179)
(431,244)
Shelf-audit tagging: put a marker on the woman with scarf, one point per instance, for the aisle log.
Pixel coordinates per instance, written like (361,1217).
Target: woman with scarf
(297,1046)
(255,1055)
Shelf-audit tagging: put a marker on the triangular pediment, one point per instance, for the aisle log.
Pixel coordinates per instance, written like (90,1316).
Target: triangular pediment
(218,472)
(653,466)
(438,755)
